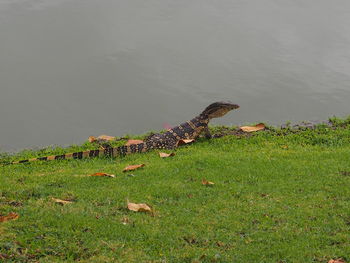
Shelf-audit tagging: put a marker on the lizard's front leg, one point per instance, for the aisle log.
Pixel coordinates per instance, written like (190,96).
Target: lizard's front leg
(207,133)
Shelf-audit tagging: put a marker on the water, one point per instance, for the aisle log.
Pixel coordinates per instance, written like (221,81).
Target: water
(74,68)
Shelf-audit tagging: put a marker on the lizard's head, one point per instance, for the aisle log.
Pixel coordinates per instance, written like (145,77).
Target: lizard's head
(219,109)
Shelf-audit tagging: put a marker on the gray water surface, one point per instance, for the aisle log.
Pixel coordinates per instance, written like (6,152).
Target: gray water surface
(74,68)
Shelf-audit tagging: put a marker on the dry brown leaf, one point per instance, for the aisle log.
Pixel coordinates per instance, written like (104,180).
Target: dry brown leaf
(105,138)
(255,128)
(133,167)
(139,207)
(103,174)
(125,220)
(10,216)
(184,141)
(130,142)
(207,183)
(92,139)
(61,202)
(339,260)
(165,155)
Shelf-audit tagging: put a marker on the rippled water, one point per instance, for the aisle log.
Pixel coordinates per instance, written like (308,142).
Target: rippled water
(74,68)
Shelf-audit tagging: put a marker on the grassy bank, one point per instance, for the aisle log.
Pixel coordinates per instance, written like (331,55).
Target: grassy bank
(279,196)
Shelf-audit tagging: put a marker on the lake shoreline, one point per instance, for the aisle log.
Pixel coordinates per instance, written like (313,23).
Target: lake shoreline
(217,132)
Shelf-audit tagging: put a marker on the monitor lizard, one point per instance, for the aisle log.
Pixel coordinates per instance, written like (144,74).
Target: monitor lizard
(188,130)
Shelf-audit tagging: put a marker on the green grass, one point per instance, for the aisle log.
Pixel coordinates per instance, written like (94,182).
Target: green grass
(278,196)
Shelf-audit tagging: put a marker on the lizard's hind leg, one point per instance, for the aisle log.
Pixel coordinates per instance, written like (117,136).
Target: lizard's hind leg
(207,133)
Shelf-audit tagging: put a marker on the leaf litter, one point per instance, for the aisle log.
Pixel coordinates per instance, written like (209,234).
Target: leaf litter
(258,127)
(61,202)
(184,141)
(101,138)
(207,183)
(339,260)
(139,207)
(103,175)
(130,142)
(10,216)
(133,167)
(165,155)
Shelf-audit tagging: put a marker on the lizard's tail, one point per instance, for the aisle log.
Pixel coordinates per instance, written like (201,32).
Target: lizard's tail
(76,155)
(133,148)
(118,151)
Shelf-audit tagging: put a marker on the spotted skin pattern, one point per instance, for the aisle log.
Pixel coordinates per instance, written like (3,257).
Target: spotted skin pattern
(168,140)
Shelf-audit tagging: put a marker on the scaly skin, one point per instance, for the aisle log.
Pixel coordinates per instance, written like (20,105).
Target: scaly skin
(168,140)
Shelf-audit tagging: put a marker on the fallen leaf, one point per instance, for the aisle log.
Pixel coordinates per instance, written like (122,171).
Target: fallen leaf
(92,139)
(10,216)
(106,138)
(61,202)
(103,174)
(125,220)
(208,183)
(133,167)
(165,155)
(139,207)
(184,141)
(339,260)
(130,142)
(255,128)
